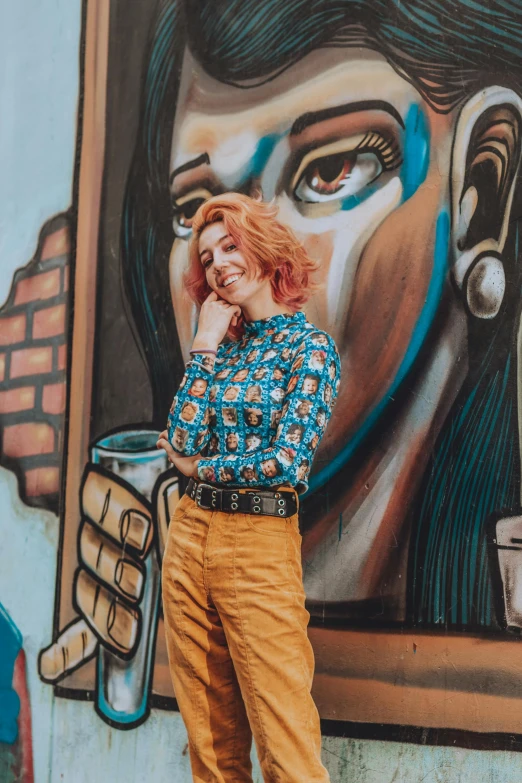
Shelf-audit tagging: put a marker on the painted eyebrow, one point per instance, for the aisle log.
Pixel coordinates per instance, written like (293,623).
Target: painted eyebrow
(312,117)
(192,164)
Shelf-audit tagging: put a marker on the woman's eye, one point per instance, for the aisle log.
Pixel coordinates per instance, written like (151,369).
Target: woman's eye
(230,248)
(337,176)
(207,262)
(183,215)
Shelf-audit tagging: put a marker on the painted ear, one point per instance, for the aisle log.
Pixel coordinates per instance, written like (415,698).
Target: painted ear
(485,162)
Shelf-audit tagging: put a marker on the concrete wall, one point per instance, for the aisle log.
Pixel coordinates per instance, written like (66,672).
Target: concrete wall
(397,165)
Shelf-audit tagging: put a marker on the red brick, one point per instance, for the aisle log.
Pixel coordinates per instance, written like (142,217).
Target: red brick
(26,440)
(62,357)
(41,286)
(12,330)
(31,361)
(14,400)
(42,481)
(53,400)
(2,366)
(49,322)
(56,244)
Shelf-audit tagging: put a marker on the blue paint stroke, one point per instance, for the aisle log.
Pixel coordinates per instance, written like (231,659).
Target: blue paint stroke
(264,148)
(10,646)
(420,333)
(416,151)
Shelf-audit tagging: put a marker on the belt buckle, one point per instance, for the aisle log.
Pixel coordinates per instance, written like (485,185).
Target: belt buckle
(199,490)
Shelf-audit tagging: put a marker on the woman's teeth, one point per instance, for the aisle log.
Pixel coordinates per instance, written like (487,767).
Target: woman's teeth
(229,280)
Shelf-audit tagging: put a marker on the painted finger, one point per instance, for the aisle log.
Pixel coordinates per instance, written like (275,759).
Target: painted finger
(115,507)
(116,625)
(110,563)
(74,646)
(165,498)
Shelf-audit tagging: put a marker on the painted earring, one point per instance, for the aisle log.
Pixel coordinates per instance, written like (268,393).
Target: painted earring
(484,285)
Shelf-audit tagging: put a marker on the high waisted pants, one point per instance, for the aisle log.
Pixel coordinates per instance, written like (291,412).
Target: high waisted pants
(240,659)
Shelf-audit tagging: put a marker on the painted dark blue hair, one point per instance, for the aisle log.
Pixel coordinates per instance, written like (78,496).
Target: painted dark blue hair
(447,50)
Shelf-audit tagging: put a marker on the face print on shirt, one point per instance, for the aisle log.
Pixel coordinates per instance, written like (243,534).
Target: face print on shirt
(222,374)
(229,417)
(313,442)
(251,356)
(269,355)
(198,388)
(277,394)
(294,434)
(327,394)
(310,384)
(253,417)
(230,393)
(227,474)
(260,373)
(248,473)
(180,438)
(320,418)
(213,444)
(213,393)
(231,441)
(317,360)
(286,455)
(303,469)
(270,468)
(252,441)
(201,437)
(275,418)
(253,394)
(240,375)
(280,337)
(320,340)
(278,374)
(189,411)
(285,354)
(302,409)
(208,474)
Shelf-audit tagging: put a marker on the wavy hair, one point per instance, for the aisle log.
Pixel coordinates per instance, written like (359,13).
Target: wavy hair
(268,245)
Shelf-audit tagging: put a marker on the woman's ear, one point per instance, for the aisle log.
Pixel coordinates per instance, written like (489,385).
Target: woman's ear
(485,163)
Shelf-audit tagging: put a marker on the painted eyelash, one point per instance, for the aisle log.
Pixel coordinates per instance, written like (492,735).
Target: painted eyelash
(389,151)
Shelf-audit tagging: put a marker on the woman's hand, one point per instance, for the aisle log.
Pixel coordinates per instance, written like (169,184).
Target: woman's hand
(186,465)
(215,317)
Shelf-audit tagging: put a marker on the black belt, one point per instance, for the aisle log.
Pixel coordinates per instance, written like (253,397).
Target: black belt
(275,503)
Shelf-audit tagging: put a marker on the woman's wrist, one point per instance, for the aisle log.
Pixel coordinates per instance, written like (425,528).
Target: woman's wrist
(204,342)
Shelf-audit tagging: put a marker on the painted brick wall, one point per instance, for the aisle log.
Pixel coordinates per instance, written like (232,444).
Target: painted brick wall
(33,329)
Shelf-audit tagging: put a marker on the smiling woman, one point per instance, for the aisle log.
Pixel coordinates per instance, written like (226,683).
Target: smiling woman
(393,154)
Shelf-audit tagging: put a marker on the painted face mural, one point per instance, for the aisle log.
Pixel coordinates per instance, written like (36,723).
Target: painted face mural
(397,167)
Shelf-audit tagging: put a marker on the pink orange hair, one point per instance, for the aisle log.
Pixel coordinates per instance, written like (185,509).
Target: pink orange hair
(266,243)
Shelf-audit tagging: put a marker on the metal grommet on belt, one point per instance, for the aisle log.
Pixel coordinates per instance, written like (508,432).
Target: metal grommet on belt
(256,509)
(281,502)
(234,496)
(233,506)
(256,499)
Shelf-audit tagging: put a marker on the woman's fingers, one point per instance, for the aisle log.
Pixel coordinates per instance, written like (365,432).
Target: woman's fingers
(163,443)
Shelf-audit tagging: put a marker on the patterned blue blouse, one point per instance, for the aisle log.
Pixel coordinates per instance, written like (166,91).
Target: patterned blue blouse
(259,410)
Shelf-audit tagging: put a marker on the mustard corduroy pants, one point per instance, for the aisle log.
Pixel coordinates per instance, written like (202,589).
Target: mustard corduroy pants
(240,659)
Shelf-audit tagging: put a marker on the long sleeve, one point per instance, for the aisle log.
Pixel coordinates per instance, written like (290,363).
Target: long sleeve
(189,414)
(307,406)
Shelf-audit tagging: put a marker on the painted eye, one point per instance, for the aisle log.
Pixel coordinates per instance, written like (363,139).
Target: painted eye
(183,215)
(337,176)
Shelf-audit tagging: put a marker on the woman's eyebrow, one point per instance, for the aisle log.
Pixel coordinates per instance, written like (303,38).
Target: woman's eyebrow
(312,117)
(192,164)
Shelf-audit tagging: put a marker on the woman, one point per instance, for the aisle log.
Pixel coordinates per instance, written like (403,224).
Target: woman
(233,598)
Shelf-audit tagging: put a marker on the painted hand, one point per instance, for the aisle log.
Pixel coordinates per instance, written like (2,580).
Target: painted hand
(115,536)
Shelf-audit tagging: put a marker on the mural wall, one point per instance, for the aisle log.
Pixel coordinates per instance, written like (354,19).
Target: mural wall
(389,135)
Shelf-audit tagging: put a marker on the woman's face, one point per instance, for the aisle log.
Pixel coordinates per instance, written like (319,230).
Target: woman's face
(358,164)
(227,270)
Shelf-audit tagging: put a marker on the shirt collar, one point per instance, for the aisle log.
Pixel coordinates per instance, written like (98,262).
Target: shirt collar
(274,323)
